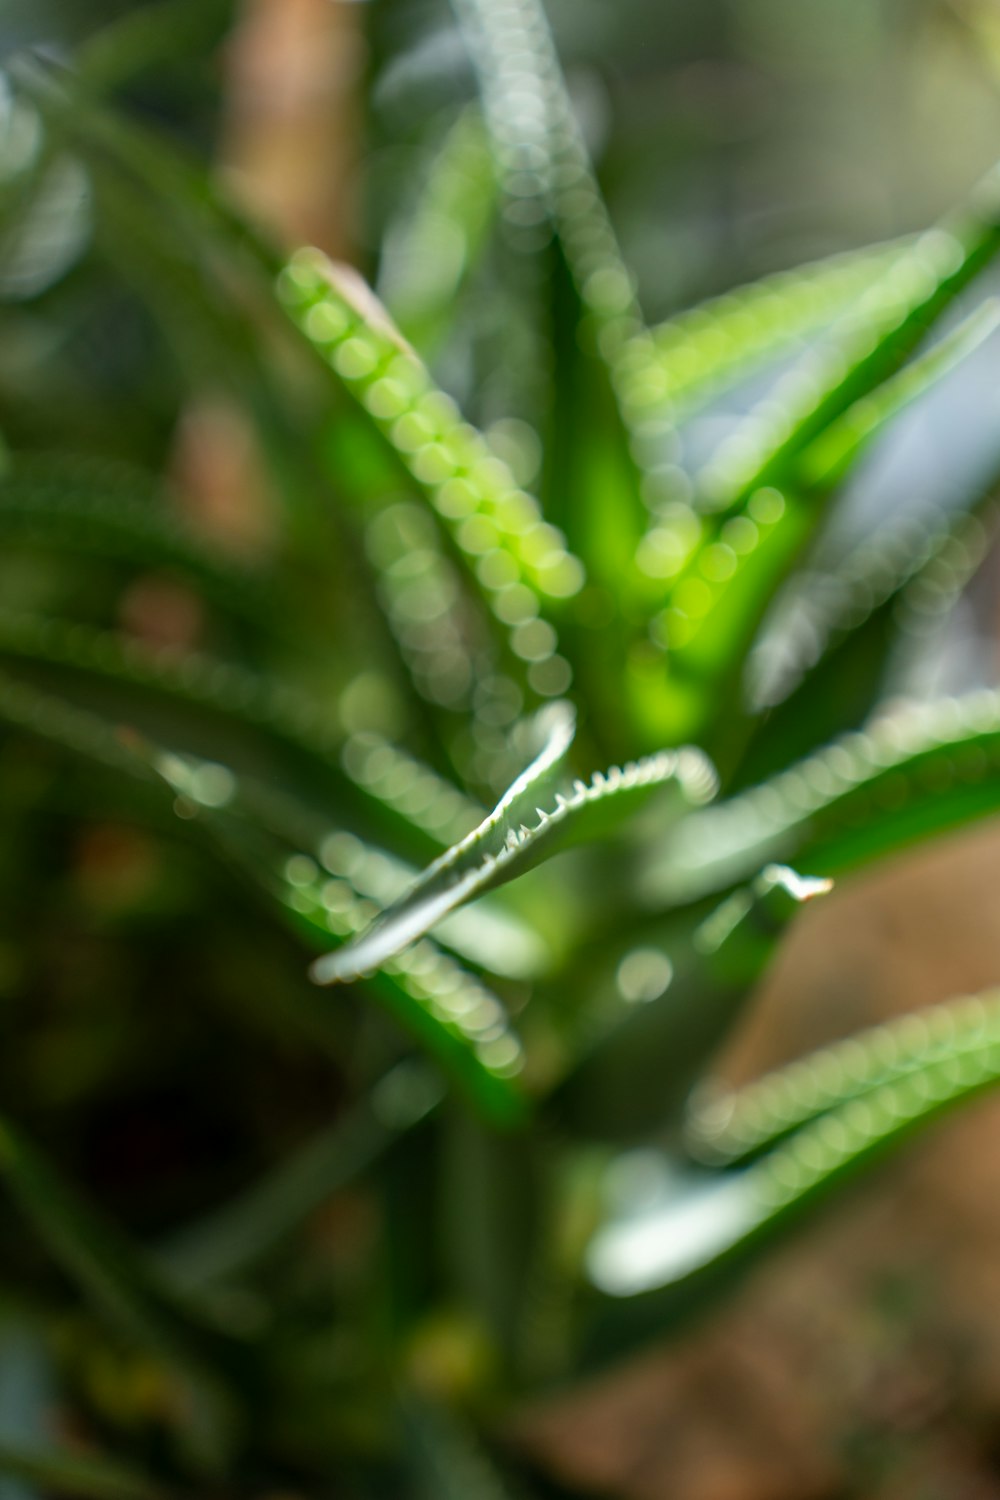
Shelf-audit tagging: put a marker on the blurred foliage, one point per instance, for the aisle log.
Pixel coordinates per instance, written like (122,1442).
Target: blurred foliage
(298,583)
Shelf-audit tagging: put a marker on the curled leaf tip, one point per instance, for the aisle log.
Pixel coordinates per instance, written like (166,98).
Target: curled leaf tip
(799,887)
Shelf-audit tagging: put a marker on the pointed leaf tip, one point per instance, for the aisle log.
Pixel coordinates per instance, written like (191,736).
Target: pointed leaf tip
(464,868)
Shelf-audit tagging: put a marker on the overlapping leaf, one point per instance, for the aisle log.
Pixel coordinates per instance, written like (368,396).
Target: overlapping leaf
(529,823)
(697,1220)
(915,772)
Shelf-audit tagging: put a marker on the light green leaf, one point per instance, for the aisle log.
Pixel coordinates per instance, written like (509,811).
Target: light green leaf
(914,773)
(515,57)
(472,491)
(457,875)
(830,455)
(760,513)
(716,343)
(691,1221)
(890,320)
(531,822)
(726,1124)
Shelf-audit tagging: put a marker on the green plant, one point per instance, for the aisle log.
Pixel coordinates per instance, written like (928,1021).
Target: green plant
(481,598)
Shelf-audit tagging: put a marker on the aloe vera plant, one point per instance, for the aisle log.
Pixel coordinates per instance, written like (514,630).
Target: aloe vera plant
(467,648)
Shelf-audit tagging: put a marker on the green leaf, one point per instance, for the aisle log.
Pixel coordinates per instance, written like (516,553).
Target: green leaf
(531,822)
(914,773)
(714,344)
(515,57)
(472,492)
(160,221)
(448,1010)
(722,576)
(64,724)
(441,888)
(304,846)
(669,990)
(724,1125)
(916,564)
(410,787)
(192,677)
(890,321)
(703,1219)
(829,456)
(230,695)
